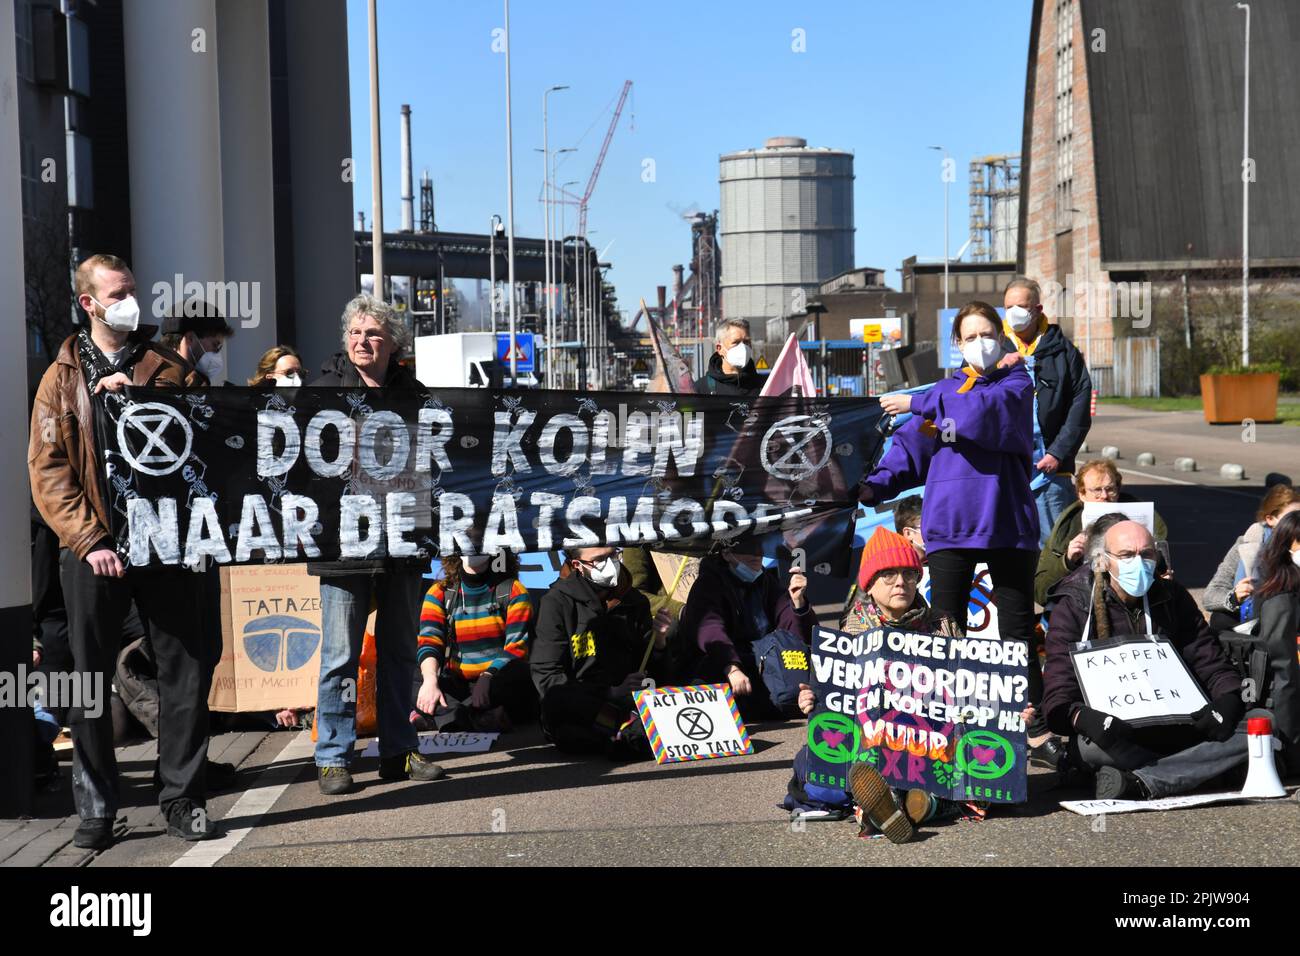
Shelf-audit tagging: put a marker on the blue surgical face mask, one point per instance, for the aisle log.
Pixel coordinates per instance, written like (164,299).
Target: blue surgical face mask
(745,573)
(1135,575)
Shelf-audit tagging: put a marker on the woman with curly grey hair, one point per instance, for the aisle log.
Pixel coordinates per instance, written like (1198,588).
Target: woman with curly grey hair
(374,342)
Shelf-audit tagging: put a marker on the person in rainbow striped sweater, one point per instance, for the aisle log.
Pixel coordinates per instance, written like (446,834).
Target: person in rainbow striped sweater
(475,627)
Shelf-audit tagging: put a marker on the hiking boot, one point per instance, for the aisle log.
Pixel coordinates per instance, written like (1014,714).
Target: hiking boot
(411,765)
(1116,784)
(923,807)
(189,821)
(334,780)
(94,834)
(879,803)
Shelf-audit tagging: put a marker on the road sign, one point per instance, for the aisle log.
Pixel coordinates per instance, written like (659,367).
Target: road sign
(761,365)
(640,366)
(524,351)
(873,332)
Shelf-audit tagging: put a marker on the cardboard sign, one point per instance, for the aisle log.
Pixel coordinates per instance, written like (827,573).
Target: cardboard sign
(668,564)
(443,743)
(1090,808)
(270,639)
(1142,680)
(938,713)
(692,723)
(1143,512)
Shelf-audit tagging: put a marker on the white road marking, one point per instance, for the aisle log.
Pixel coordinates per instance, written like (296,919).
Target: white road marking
(252,803)
(1180,481)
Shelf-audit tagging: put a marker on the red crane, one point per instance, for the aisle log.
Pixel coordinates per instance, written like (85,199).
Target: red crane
(600,160)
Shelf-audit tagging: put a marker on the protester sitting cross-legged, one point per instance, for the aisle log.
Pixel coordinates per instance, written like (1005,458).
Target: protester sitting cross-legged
(888,597)
(590,655)
(1279,630)
(733,604)
(1123,596)
(1229,597)
(907,522)
(1097,480)
(969,442)
(373,342)
(475,627)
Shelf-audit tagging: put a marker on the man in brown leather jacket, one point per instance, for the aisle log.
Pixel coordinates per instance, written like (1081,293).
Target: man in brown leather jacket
(67,486)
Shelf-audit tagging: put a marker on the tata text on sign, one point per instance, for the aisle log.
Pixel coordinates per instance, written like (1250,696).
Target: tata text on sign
(936,713)
(692,723)
(1142,680)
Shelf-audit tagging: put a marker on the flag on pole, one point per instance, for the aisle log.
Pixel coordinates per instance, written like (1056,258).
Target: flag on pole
(790,370)
(672,373)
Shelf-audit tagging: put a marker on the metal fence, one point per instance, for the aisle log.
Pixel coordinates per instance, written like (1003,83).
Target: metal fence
(1134,371)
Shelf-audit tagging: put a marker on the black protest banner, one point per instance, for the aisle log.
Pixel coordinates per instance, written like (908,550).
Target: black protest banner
(938,713)
(238,476)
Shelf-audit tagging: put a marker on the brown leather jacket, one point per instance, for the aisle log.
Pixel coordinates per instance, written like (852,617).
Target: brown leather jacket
(61,461)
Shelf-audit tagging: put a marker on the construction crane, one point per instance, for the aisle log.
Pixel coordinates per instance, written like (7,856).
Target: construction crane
(600,160)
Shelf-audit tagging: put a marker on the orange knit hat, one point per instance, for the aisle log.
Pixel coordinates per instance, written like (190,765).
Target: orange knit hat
(886,549)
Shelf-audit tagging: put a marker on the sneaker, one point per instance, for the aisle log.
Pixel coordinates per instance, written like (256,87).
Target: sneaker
(1047,754)
(334,780)
(1116,784)
(411,765)
(879,804)
(189,821)
(94,834)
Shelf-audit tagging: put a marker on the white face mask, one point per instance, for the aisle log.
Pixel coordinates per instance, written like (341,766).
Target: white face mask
(981,353)
(475,563)
(123,316)
(1295,558)
(292,380)
(212,365)
(605,572)
(738,355)
(1020,318)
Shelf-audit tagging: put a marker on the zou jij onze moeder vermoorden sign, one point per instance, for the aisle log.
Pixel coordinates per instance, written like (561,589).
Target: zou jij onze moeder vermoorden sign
(238,476)
(942,714)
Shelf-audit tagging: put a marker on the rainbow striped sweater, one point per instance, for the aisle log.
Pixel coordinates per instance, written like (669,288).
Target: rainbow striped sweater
(482,639)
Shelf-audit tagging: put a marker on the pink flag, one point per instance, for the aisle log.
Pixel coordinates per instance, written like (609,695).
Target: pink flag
(671,373)
(790,370)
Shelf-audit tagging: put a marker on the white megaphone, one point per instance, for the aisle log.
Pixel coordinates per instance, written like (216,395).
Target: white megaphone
(1261,778)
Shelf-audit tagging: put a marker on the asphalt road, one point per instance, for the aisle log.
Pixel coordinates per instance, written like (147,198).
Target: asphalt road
(524,803)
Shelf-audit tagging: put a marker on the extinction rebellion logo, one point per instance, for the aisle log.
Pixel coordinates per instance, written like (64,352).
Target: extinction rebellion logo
(280,642)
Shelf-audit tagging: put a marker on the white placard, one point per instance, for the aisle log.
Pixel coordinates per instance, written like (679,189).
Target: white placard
(692,723)
(1090,808)
(448,743)
(1143,512)
(1137,680)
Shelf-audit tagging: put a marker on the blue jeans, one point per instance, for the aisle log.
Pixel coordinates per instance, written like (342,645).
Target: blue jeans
(1051,499)
(1168,776)
(345,605)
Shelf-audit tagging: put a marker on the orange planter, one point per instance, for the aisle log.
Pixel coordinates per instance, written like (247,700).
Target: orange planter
(1231,399)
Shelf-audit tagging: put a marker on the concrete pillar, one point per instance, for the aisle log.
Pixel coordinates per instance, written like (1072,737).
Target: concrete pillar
(174,148)
(320,144)
(247,187)
(15,522)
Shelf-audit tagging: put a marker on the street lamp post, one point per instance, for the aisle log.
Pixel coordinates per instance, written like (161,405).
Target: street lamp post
(376,179)
(563,217)
(944,177)
(493,225)
(1245,203)
(550,214)
(546,193)
(510,207)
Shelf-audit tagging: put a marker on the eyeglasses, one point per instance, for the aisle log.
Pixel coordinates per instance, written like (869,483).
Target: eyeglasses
(1150,554)
(616,553)
(1105,491)
(895,574)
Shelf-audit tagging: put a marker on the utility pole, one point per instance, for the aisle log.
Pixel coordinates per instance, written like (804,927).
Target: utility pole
(1246,175)
(510,207)
(376,177)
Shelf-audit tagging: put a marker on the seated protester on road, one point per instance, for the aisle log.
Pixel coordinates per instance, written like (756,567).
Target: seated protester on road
(200,338)
(1125,597)
(279,366)
(1096,480)
(475,626)
(731,366)
(1278,599)
(593,629)
(1228,596)
(907,522)
(888,576)
(736,601)
(969,441)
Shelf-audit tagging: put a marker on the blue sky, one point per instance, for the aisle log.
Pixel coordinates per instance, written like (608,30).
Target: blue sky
(881,79)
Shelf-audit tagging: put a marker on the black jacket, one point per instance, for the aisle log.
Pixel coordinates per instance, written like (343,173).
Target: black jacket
(715,381)
(1174,615)
(1279,630)
(578,639)
(339,372)
(1064,390)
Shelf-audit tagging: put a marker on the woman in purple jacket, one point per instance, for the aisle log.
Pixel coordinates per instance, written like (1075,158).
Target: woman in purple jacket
(970,442)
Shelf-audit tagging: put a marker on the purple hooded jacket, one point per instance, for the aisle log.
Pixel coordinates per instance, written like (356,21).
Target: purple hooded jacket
(976,485)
